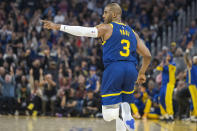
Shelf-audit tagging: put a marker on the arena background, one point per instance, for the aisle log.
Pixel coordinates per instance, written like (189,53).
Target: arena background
(50,80)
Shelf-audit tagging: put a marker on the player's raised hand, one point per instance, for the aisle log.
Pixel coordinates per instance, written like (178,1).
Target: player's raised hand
(141,78)
(50,25)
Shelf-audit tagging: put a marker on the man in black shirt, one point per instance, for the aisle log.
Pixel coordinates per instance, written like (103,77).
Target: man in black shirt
(49,93)
(90,105)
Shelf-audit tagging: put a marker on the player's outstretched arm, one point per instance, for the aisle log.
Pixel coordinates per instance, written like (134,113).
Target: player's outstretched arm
(187,60)
(98,31)
(145,53)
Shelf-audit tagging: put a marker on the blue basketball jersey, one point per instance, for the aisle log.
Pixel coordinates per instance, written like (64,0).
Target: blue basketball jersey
(121,46)
(192,75)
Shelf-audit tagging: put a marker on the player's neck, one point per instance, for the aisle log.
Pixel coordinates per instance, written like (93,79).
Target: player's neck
(117,20)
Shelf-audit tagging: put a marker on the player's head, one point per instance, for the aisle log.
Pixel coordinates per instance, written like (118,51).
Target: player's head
(112,12)
(195,60)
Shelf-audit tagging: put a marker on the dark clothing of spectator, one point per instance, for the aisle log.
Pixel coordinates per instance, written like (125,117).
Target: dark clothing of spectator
(8,89)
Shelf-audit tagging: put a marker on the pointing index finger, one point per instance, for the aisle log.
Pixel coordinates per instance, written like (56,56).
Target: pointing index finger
(44,21)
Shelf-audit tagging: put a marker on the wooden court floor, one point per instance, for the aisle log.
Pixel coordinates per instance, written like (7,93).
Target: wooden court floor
(23,123)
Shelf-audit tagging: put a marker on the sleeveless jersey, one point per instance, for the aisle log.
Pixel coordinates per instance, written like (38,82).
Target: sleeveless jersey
(121,46)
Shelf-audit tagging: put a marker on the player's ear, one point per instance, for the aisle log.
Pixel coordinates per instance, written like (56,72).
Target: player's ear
(114,15)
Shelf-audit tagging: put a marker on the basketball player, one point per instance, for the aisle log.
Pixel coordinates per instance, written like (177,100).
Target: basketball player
(120,44)
(192,82)
(168,68)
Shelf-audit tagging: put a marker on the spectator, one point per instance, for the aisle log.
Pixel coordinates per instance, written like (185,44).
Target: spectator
(185,39)
(69,102)
(1,59)
(182,96)
(49,93)
(193,28)
(36,68)
(23,95)
(8,100)
(9,56)
(178,59)
(90,105)
(93,81)
(59,18)
(36,94)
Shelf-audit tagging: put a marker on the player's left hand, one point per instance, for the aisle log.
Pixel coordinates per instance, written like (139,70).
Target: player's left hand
(141,78)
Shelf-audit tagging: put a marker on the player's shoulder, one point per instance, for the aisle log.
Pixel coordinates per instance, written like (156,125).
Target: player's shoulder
(104,26)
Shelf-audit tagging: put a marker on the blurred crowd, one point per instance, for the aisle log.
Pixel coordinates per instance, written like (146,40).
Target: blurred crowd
(46,72)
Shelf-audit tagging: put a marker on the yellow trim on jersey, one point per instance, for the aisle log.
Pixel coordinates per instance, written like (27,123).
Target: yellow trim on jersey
(117,94)
(103,42)
(111,25)
(119,23)
(133,31)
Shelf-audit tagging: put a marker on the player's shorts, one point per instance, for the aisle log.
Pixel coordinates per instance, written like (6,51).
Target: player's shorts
(118,82)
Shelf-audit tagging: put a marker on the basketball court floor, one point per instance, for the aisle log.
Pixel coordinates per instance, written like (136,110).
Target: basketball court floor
(23,123)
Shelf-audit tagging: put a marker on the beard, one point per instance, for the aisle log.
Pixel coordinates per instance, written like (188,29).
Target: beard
(108,20)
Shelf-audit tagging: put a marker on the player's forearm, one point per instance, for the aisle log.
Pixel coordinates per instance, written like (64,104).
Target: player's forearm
(79,30)
(145,53)
(186,58)
(145,63)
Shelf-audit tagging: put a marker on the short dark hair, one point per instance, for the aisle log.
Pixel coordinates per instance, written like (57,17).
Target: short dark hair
(115,7)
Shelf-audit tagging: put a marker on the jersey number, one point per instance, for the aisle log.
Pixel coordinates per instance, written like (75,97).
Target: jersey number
(126,48)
